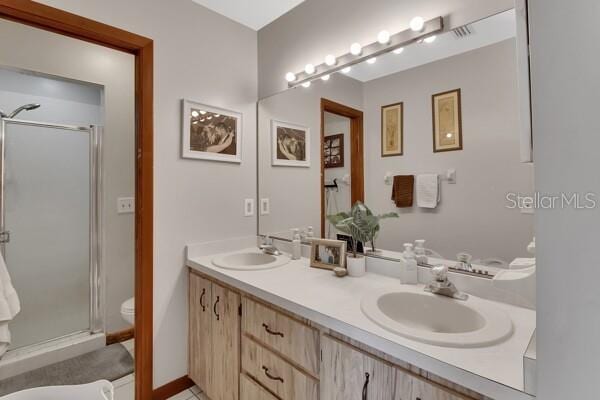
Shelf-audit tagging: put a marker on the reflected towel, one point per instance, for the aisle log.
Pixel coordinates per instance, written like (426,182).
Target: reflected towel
(9,305)
(402,190)
(428,194)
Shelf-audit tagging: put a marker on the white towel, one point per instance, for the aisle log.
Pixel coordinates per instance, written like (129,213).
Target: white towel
(428,193)
(9,305)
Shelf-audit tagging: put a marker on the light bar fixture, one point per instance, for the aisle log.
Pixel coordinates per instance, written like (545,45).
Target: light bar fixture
(385,43)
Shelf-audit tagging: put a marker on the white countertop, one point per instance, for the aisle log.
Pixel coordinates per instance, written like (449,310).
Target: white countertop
(316,294)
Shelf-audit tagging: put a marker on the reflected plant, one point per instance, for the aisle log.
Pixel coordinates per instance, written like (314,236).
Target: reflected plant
(360,224)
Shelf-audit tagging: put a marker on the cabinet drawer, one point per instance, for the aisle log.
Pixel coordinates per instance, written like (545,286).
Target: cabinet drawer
(250,390)
(279,376)
(344,374)
(293,339)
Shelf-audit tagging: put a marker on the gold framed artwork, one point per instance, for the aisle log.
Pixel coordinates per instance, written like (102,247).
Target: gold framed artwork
(392,130)
(447,121)
(328,253)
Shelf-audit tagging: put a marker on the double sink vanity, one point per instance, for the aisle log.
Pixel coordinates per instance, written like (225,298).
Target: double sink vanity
(268,327)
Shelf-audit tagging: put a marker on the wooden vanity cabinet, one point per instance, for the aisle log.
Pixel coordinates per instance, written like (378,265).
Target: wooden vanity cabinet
(214,338)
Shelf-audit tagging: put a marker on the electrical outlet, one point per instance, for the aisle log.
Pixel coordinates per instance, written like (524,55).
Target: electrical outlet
(125,205)
(265,207)
(248,207)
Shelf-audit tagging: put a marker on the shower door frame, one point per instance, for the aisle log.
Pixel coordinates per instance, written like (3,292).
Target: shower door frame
(96,308)
(62,22)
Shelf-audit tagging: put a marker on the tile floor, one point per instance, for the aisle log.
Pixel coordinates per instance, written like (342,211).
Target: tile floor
(125,386)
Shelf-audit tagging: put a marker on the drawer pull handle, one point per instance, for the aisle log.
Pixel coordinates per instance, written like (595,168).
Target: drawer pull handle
(270,332)
(202,300)
(366,386)
(215,308)
(272,377)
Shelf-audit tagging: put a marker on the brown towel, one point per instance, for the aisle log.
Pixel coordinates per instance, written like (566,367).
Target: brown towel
(402,190)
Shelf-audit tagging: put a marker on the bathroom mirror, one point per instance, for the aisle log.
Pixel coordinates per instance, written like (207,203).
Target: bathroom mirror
(439,126)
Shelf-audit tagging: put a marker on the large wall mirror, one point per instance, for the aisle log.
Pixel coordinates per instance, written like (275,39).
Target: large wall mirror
(433,132)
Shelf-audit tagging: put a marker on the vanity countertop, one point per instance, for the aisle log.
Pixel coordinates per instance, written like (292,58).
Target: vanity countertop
(495,371)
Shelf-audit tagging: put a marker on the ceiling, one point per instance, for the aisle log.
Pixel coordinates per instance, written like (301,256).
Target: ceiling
(254,14)
(484,33)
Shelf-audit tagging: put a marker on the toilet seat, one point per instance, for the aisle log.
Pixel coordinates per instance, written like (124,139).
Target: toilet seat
(128,310)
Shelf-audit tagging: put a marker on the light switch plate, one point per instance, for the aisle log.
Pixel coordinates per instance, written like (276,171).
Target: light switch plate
(248,207)
(125,205)
(265,206)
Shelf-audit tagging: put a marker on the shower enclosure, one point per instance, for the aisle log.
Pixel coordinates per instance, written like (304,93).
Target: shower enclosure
(49,224)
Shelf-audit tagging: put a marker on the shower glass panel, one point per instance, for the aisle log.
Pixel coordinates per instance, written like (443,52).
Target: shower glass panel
(48,207)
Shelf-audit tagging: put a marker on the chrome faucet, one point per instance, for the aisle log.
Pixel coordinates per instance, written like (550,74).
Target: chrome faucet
(441,284)
(268,247)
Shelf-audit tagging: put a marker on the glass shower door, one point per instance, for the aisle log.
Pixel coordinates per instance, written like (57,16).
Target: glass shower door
(47,217)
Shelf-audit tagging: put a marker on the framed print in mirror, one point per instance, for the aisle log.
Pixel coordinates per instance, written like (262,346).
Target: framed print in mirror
(328,254)
(211,133)
(392,130)
(290,144)
(333,151)
(447,123)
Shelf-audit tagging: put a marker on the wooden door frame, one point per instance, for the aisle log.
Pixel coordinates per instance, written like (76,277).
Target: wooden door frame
(58,21)
(357,167)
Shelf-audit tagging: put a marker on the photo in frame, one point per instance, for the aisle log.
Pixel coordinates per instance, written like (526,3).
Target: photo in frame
(290,144)
(333,151)
(328,254)
(211,133)
(392,130)
(447,121)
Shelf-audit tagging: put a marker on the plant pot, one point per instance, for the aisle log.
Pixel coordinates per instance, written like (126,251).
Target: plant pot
(356,266)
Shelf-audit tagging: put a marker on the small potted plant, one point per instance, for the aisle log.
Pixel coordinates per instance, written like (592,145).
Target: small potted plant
(372,226)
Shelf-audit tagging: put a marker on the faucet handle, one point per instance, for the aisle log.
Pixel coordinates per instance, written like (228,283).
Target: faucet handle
(440,273)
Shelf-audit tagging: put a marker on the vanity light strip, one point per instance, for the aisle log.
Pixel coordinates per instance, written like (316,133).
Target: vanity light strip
(374,49)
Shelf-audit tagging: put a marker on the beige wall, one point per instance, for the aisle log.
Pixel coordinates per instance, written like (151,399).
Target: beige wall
(316,28)
(201,56)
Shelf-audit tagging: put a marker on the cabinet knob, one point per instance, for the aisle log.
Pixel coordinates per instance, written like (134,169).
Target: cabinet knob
(215,308)
(366,386)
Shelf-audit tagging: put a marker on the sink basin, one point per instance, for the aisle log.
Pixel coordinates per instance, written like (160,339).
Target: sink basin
(250,260)
(425,317)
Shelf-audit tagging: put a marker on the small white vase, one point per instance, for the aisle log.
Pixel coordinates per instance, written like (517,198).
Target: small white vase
(356,266)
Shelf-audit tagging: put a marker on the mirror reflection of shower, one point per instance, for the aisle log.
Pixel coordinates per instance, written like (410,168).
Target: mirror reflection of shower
(26,107)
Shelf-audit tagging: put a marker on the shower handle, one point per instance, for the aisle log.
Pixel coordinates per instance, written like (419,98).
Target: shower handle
(5,237)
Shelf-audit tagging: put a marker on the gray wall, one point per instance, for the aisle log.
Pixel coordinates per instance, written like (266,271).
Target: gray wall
(205,57)
(316,28)
(472,215)
(565,91)
(57,55)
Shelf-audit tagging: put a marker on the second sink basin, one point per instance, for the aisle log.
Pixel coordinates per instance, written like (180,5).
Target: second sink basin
(434,319)
(250,260)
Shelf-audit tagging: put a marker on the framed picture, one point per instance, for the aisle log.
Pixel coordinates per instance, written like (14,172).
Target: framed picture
(447,121)
(328,254)
(349,242)
(211,133)
(290,144)
(333,151)
(392,130)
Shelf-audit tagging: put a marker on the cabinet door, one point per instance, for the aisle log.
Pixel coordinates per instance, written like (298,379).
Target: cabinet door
(200,337)
(225,344)
(409,387)
(349,374)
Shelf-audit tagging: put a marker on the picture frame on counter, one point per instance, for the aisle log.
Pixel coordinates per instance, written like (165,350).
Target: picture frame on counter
(328,254)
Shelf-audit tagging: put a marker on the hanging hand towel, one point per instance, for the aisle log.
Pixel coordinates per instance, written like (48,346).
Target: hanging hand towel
(9,305)
(428,190)
(402,190)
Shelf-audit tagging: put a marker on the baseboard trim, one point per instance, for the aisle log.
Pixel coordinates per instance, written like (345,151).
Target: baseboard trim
(172,388)
(118,337)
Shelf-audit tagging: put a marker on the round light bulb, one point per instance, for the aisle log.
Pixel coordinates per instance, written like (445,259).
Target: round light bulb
(330,60)
(430,39)
(383,37)
(217,115)
(417,24)
(202,112)
(290,77)
(325,77)
(209,118)
(195,114)
(399,50)
(347,70)
(306,84)
(371,60)
(309,69)
(355,49)
(195,122)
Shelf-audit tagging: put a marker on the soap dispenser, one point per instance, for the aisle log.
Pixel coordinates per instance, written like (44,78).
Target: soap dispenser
(310,233)
(420,252)
(296,244)
(410,273)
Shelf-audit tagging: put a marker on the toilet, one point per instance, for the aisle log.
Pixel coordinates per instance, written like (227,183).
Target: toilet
(128,310)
